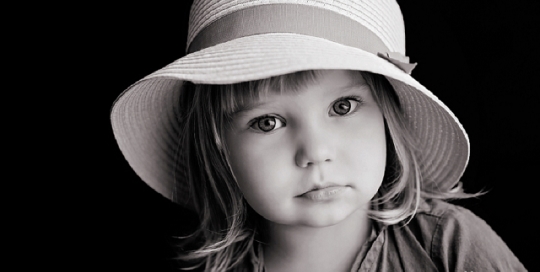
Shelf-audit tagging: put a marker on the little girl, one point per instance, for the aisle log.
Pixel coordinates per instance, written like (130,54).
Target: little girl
(294,130)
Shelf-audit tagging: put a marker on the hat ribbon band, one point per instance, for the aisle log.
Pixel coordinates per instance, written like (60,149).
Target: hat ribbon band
(288,18)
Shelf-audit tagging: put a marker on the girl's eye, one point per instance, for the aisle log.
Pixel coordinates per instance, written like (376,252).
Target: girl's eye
(346,105)
(267,123)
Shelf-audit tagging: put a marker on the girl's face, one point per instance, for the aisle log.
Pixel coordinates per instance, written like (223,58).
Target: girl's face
(311,157)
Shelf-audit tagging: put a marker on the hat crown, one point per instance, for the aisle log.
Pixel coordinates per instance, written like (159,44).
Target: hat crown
(382,17)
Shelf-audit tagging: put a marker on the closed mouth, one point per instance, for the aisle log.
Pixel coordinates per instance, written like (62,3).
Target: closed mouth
(321,187)
(324,194)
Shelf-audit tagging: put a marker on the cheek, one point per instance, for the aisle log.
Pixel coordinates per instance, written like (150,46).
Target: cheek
(261,174)
(366,155)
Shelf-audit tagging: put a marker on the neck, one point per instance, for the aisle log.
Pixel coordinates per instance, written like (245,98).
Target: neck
(303,248)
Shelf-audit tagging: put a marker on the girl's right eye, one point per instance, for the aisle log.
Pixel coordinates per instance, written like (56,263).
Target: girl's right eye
(266,123)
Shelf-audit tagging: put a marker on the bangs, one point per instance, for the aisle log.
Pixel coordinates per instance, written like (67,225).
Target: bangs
(239,96)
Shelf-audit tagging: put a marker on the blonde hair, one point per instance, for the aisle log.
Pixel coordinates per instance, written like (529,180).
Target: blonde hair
(230,231)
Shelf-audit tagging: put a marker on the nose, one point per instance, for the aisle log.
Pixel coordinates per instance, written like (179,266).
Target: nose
(315,146)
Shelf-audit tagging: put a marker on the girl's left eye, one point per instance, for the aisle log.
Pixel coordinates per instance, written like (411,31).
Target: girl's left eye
(266,123)
(346,105)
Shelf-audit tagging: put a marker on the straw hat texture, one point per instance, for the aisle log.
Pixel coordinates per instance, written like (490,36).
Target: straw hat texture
(231,41)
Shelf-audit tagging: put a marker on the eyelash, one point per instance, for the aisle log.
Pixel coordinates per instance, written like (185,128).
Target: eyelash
(256,121)
(354,98)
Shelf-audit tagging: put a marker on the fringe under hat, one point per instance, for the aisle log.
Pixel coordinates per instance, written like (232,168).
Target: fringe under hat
(231,41)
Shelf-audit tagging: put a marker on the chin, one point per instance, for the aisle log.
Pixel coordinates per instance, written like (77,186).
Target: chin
(327,216)
(315,215)
(321,222)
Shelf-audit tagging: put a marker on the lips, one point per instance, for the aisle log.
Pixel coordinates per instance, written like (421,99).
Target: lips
(321,186)
(321,192)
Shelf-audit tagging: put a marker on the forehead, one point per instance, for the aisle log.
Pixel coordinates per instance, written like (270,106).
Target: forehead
(247,95)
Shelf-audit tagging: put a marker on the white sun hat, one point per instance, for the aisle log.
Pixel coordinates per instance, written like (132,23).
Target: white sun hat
(232,41)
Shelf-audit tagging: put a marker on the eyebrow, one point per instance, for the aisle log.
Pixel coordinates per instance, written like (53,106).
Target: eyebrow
(248,107)
(253,105)
(353,85)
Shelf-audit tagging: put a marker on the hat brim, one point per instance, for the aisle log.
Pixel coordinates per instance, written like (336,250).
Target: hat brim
(147,130)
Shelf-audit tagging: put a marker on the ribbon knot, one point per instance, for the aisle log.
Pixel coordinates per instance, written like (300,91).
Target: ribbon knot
(399,60)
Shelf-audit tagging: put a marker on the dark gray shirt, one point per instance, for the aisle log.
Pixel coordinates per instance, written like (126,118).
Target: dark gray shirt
(441,237)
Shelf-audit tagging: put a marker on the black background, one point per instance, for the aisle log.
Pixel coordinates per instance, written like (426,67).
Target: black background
(478,57)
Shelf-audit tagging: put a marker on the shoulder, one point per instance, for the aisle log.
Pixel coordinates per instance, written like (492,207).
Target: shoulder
(462,241)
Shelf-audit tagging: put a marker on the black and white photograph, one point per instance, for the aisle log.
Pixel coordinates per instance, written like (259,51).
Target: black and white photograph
(318,135)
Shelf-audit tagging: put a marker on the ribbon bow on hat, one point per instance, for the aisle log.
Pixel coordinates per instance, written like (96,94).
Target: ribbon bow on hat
(399,60)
